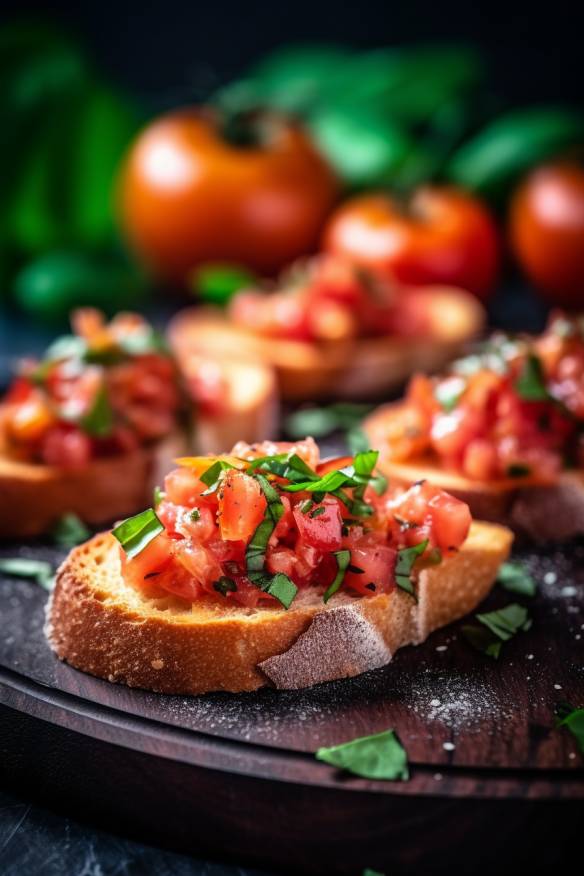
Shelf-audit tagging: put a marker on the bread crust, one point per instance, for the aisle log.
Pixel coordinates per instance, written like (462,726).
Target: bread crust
(33,497)
(356,368)
(100,625)
(542,511)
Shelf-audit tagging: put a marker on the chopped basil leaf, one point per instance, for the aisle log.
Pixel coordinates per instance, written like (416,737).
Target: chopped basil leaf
(99,420)
(317,511)
(284,465)
(448,392)
(137,532)
(434,557)
(380,756)
(530,383)
(225,585)
(158,497)
(306,506)
(498,627)
(328,483)
(320,422)
(279,585)
(69,531)
(405,564)
(515,578)
(573,719)
(36,570)
(343,559)
(379,484)
(195,515)
(357,440)
(369,872)
(518,470)
(211,476)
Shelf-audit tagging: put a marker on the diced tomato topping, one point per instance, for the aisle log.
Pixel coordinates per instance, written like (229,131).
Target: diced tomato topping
(204,550)
(320,525)
(241,506)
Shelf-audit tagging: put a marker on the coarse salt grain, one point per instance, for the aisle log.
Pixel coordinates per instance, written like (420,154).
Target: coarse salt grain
(550,578)
(438,777)
(529,656)
(434,702)
(568,591)
(442,648)
(557,686)
(448,746)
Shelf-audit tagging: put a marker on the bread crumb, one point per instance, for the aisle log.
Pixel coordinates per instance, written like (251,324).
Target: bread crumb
(557,686)
(157,664)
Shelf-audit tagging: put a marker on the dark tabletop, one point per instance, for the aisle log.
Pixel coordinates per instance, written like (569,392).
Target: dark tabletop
(34,841)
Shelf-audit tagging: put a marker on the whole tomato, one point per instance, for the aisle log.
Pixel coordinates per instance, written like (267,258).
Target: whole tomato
(439,235)
(195,188)
(547,231)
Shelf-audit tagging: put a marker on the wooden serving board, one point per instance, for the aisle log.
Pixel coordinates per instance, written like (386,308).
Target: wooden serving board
(479,734)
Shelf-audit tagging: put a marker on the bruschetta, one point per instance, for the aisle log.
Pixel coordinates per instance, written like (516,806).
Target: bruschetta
(502,430)
(331,329)
(94,426)
(270,567)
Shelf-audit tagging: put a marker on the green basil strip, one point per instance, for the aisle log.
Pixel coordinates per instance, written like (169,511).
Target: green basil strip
(69,531)
(135,533)
(516,579)
(36,570)
(158,496)
(278,585)
(284,465)
(343,559)
(497,627)
(405,564)
(573,720)
(211,476)
(530,383)
(99,420)
(381,756)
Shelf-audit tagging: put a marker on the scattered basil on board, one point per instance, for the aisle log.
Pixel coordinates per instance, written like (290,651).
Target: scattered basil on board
(69,531)
(515,578)
(496,628)
(380,756)
(573,720)
(35,570)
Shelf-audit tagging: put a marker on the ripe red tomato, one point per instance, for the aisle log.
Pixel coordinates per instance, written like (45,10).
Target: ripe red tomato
(440,236)
(241,506)
(190,194)
(547,231)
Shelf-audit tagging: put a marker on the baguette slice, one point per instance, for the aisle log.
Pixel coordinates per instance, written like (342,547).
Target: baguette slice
(353,369)
(100,625)
(542,511)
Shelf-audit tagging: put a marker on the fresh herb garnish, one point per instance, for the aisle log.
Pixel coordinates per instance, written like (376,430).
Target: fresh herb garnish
(195,515)
(343,559)
(279,585)
(212,475)
(225,585)
(69,531)
(369,872)
(498,627)
(158,496)
(515,578)
(381,756)
(405,564)
(317,511)
(306,506)
(135,533)
(99,419)
(36,570)
(530,383)
(573,720)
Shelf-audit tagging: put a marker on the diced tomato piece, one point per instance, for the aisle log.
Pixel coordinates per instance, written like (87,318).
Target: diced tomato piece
(376,564)
(66,447)
(144,570)
(320,527)
(242,506)
(183,487)
(451,520)
(200,563)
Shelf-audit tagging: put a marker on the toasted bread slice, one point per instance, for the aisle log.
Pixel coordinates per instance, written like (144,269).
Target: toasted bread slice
(34,496)
(102,626)
(355,368)
(543,511)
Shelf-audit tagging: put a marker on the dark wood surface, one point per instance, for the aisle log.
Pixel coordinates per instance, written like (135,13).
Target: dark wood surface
(498,715)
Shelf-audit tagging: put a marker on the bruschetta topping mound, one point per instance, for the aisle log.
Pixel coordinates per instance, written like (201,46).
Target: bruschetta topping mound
(514,410)
(106,389)
(328,298)
(259,525)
